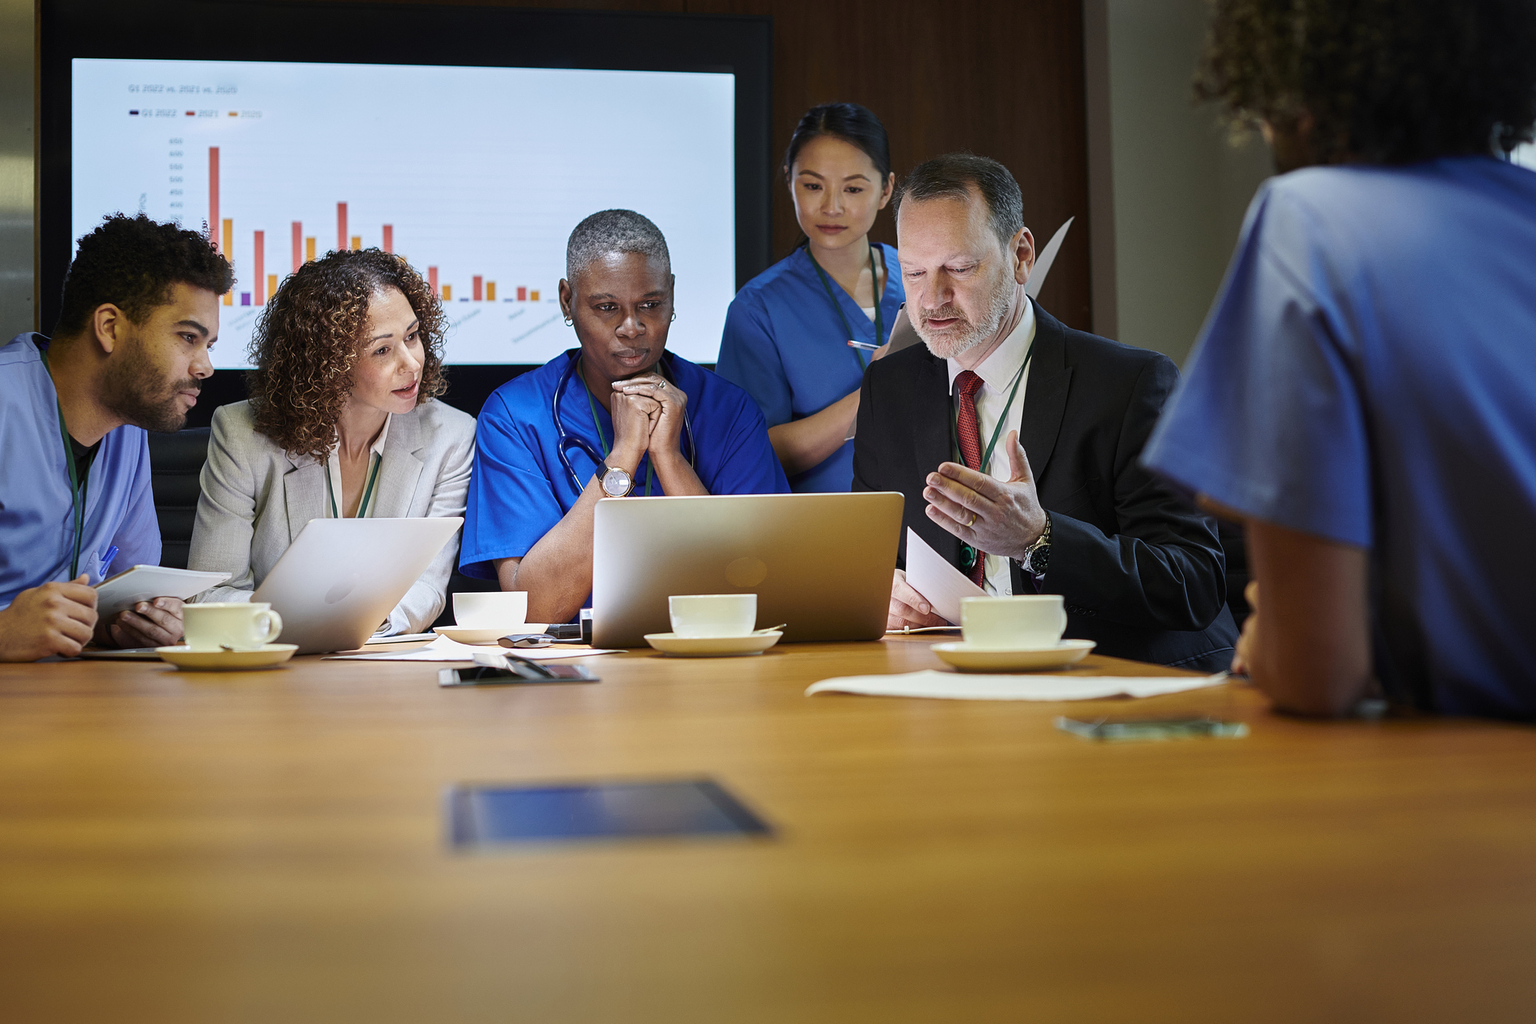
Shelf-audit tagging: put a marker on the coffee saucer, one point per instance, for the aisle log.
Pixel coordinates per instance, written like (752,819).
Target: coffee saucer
(713,646)
(972,658)
(478,635)
(264,656)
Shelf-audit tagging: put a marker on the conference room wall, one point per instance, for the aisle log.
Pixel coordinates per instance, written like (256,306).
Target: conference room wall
(18,310)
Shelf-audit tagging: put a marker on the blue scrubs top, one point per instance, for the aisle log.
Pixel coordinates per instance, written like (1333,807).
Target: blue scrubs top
(1366,376)
(519,490)
(785,344)
(37,526)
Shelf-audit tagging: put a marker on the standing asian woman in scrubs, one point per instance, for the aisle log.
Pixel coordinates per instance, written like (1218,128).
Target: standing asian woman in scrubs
(787,331)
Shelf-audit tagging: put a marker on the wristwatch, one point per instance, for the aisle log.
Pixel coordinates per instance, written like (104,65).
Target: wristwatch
(616,482)
(1037,557)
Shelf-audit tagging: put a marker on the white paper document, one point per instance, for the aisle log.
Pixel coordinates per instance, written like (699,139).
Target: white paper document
(931,575)
(970,686)
(443,649)
(147,582)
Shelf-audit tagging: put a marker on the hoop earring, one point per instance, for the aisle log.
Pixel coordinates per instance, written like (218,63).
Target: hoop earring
(674,317)
(569,322)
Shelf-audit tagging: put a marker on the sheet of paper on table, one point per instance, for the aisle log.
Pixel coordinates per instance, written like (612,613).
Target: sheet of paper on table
(969,686)
(931,575)
(443,649)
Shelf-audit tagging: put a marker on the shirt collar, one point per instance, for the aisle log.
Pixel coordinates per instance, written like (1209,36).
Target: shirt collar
(998,369)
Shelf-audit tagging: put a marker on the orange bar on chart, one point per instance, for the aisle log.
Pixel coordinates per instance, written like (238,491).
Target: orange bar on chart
(533,296)
(213,195)
(258,257)
(474,290)
(357,241)
(229,247)
(522,295)
(447,293)
(389,238)
(271,285)
(341,225)
(490,291)
(432,279)
(298,245)
(309,250)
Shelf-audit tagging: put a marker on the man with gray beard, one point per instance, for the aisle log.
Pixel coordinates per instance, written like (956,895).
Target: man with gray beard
(1015,439)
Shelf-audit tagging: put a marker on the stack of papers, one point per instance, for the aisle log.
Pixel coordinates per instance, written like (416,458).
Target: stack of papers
(443,649)
(954,686)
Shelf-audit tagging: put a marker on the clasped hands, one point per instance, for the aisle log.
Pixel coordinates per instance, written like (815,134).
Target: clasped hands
(996,517)
(648,413)
(60,619)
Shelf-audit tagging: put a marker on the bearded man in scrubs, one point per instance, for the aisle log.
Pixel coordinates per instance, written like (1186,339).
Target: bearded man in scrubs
(129,353)
(618,416)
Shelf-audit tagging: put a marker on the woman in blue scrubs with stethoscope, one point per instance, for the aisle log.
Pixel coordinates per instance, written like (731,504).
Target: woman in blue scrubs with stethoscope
(787,332)
(618,416)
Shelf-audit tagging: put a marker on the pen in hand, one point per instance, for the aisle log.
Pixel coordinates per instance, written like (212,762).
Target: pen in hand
(862,346)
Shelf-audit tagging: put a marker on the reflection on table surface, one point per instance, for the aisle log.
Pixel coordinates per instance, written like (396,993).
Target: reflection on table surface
(270,846)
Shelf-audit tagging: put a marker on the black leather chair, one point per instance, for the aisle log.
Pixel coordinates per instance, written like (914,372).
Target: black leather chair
(175,465)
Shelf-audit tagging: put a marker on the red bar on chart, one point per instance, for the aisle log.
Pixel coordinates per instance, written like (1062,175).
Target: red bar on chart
(229,247)
(389,238)
(474,288)
(258,257)
(432,279)
(298,245)
(213,195)
(522,294)
(341,225)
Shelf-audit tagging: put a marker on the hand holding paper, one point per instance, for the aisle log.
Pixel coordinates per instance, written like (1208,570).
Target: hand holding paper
(934,580)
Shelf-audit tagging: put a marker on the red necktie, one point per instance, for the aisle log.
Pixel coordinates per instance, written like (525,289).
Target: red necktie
(969,433)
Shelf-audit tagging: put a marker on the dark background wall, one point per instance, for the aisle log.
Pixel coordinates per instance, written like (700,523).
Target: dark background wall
(1004,79)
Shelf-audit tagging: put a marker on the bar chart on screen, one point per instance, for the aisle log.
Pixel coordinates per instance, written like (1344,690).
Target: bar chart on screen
(473,175)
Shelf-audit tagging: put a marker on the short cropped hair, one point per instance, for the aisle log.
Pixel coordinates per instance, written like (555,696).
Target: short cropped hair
(952,176)
(133,263)
(311,334)
(1383,81)
(610,231)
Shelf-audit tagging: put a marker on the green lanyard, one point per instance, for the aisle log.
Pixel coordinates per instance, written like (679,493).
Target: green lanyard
(77,499)
(592,404)
(968,554)
(362,506)
(873,282)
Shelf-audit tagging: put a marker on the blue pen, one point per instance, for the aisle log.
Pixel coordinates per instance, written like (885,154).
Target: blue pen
(106,560)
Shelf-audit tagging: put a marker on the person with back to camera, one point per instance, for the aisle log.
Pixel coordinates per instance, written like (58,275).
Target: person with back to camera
(1362,393)
(620,415)
(341,424)
(139,312)
(787,332)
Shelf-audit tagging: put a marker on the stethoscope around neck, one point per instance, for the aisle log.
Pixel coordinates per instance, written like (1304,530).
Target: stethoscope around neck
(568,441)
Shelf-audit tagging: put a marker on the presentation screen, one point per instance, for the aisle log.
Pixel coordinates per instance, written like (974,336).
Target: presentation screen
(476,175)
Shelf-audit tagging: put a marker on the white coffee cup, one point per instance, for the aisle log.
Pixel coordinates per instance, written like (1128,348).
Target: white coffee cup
(491,610)
(1021,621)
(705,615)
(239,625)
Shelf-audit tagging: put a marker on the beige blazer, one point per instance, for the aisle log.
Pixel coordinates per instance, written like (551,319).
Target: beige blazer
(256,498)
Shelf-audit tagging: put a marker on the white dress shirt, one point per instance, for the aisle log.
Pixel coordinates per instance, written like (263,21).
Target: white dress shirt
(997,373)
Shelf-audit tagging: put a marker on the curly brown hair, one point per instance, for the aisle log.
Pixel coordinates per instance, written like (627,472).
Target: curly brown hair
(1381,81)
(310,334)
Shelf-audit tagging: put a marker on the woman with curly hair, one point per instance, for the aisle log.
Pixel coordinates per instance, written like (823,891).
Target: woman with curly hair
(341,423)
(1362,393)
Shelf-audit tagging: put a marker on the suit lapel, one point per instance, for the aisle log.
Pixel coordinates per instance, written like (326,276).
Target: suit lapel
(303,493)
(931,446)
(1045,396)
(401,467)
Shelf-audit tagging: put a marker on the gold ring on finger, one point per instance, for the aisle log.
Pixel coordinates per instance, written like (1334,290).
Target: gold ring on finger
(972,522)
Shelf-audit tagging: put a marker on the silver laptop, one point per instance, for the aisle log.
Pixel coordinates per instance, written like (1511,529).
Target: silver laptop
(341,577)
(820,562)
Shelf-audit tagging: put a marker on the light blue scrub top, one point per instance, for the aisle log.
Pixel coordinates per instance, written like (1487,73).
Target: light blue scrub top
(37,527)
(786,346)
(1368,376)
(519,490)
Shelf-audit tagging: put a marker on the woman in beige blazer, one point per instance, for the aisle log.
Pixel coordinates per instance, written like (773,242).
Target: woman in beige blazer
(341,423)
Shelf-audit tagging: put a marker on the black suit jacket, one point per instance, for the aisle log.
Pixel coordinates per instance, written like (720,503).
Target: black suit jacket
(1141,571)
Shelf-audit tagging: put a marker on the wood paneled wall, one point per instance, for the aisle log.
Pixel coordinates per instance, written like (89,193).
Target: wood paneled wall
(1002,78)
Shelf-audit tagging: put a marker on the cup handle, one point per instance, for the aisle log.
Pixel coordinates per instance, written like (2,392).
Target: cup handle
(1061,624)
(273,626)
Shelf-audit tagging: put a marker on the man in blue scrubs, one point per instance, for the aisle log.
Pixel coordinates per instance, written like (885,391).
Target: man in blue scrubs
(129,353)
(618,416)
(1362,394)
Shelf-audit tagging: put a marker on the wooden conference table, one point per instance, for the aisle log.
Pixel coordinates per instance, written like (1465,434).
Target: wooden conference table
(270,847)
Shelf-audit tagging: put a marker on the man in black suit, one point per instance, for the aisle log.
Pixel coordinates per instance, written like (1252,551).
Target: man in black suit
(1049,422)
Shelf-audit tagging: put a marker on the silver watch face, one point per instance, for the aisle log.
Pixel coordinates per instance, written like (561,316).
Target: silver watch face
(616,482)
